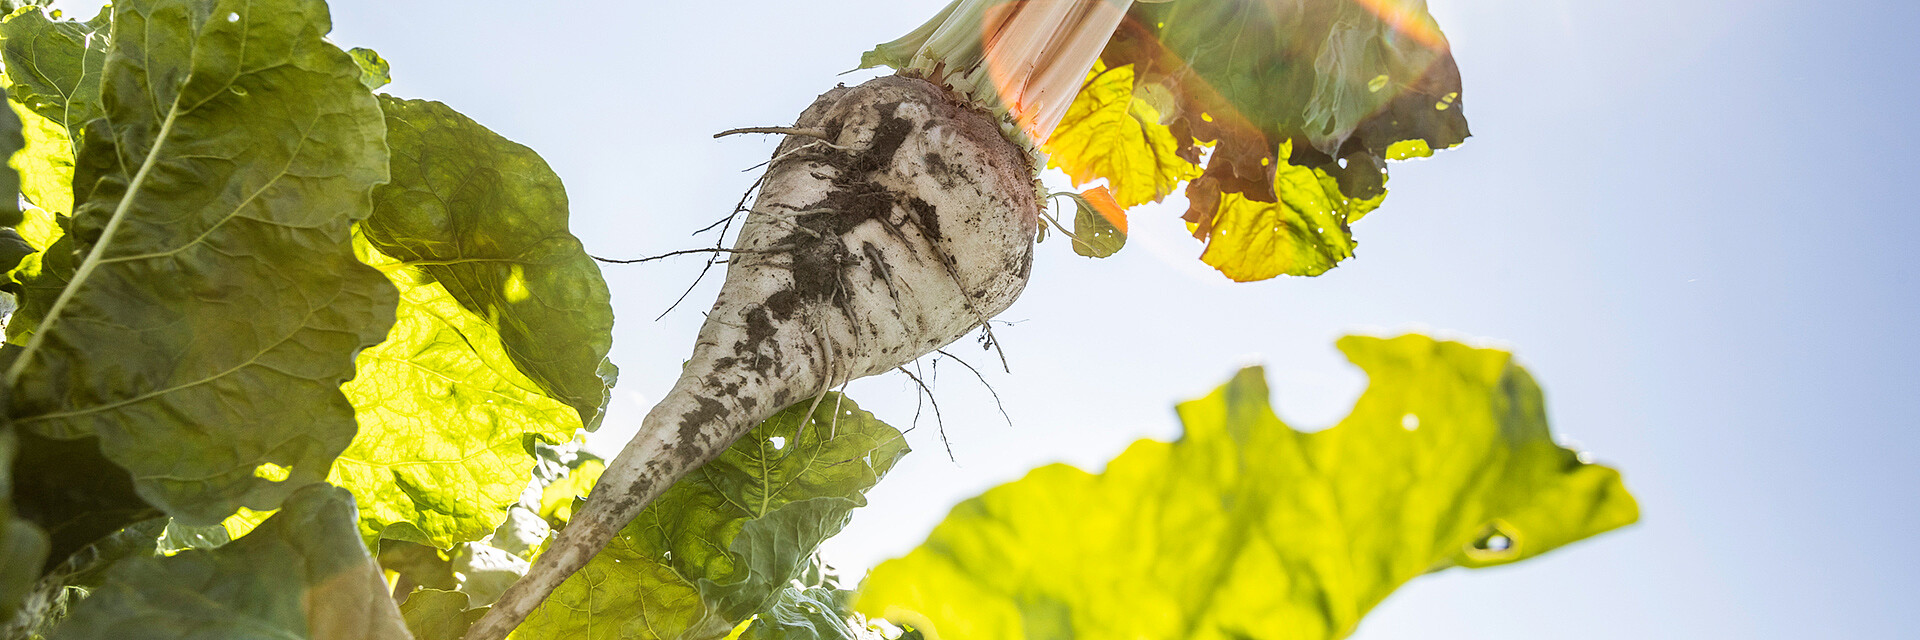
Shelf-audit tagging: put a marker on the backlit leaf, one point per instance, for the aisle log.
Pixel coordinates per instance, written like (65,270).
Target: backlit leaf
(443,415)
(1099,225)
(487,219)
(1108,133)
(213,206)
(54,66)
(54,83)
(1303,233)
(1246,528)
(374,70)
(1263,87)
(46,173)
(721,544)
(472,231)
(302,574)
(811,613)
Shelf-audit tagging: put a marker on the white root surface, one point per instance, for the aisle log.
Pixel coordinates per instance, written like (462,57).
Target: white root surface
(913,226)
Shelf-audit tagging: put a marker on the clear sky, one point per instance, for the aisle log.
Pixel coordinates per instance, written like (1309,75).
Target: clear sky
(1693,220)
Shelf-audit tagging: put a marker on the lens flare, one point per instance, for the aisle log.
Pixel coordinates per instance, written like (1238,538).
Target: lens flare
(1406,20)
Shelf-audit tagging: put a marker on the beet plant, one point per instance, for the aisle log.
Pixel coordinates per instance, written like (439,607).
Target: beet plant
(293,358)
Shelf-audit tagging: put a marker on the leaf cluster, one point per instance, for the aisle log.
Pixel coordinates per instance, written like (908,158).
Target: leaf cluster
(1278,116)
(294,359)
(241,277)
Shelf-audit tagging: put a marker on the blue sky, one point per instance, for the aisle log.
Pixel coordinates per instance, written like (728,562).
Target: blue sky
(1692,220)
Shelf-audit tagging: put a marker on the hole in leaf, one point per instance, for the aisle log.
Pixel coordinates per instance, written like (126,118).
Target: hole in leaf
(271,471)
(777,441)
(233,17)
(1499,541)
(1410,422)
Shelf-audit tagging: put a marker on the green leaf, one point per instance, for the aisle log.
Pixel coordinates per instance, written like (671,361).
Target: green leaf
(487,219)
(424,565)
(54,66)
(1247,528)
(1303,232)
(1099,225)
(557,498)
(37,280)
(501,333)
(1320,71)
(812,613)
(720,545)
(301,574)
(13,249)
(73,493)
(55,88)
(213,211)
(374,70)
(433,614)
(67,583)
(11,141)
(45,166)
(23,547)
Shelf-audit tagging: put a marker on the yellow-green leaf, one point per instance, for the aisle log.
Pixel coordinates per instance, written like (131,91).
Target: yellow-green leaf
(1108,133)
(723,543)
(1246,528)
(1099,224)
(216,305)
(443,416)
(487,218)
(557,499)
(374,70)
(1305,233)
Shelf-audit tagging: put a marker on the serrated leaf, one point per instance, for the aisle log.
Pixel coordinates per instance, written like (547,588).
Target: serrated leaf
(218,274)
(301,574)
(501,315)
(1246,528)
(1335,87)
(1108,133)
(720,544)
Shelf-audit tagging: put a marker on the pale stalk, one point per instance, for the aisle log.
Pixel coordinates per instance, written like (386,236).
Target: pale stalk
(1025,60)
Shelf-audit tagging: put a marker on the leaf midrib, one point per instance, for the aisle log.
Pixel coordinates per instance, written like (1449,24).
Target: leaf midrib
(93,259)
